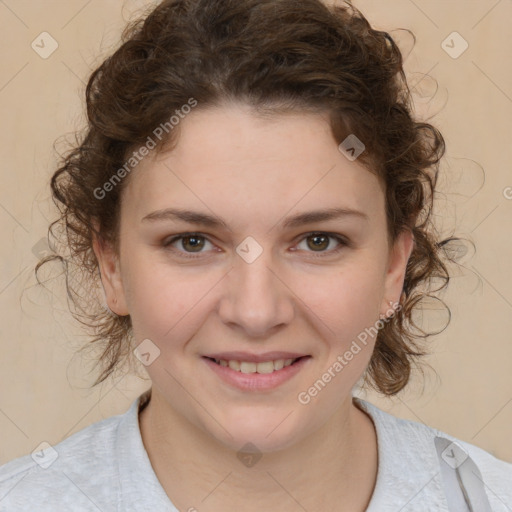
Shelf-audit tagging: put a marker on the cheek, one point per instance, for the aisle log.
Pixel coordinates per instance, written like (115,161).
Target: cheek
(346,300)
(163,300)
(170,303)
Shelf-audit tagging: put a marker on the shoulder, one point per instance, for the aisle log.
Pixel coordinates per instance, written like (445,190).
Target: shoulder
(488,463)
(496,473)
(412,451)
(72,472)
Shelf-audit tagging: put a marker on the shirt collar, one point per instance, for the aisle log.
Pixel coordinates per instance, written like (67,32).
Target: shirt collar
(137,479)
(408,475)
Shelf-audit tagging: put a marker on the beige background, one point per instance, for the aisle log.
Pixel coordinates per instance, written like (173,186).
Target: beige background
(43,386)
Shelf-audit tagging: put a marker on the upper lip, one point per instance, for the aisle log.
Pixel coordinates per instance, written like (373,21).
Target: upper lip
(254,358)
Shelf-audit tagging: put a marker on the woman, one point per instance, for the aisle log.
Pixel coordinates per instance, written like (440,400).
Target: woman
(250,198)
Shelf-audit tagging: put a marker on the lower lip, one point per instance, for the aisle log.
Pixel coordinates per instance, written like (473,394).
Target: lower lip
(256,381)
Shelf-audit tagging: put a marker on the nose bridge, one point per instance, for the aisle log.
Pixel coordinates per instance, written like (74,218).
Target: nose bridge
(256,299)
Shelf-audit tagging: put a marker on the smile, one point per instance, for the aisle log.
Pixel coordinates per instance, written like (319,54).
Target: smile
(252,376)
(262,367)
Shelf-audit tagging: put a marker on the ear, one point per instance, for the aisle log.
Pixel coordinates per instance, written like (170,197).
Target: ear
(110,273)
(395,275)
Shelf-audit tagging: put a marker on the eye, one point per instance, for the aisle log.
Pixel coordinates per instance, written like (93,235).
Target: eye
(320,241)
(191,245)
(189,241)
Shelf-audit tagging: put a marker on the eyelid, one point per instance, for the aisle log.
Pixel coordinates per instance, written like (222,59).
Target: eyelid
(342,240)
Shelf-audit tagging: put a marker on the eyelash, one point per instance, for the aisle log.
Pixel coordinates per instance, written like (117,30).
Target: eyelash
(341,240)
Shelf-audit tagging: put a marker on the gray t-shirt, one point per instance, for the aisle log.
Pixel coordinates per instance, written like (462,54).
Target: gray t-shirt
(105,467)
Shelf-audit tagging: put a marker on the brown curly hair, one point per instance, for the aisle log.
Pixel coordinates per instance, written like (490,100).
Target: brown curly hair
(277,56)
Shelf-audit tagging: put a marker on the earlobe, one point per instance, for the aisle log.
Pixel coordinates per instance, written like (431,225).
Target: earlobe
(111,280)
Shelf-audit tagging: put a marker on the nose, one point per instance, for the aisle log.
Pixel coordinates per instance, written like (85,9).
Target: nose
(257,299)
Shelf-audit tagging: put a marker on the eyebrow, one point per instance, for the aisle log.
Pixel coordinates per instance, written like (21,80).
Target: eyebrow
(212,221)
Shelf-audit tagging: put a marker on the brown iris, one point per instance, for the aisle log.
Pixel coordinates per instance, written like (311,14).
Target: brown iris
(316,244)
(196,245)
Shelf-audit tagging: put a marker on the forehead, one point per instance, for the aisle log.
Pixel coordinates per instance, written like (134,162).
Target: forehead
(236,164)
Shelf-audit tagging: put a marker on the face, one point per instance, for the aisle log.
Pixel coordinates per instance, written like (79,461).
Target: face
(263,278)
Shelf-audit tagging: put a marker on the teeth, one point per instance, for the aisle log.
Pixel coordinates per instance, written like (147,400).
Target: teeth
(249,367)
(234,365)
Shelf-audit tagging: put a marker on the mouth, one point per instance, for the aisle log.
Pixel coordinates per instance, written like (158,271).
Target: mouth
(253,367)
(252,376)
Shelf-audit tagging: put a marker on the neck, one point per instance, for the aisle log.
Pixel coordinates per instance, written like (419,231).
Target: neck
(330,468)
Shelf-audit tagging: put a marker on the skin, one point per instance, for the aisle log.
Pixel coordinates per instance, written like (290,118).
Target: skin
(254,172)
